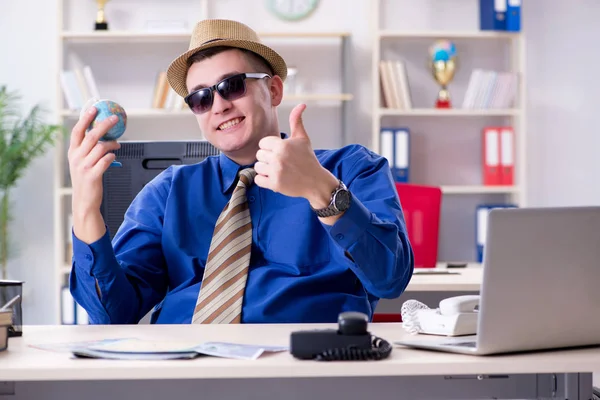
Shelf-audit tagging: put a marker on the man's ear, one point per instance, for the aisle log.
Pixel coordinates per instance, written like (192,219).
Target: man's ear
(276,90)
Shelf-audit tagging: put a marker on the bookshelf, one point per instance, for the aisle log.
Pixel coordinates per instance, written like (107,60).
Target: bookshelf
(446,145)
(129,47)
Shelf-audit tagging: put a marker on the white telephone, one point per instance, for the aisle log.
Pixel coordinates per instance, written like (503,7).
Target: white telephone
(455,316)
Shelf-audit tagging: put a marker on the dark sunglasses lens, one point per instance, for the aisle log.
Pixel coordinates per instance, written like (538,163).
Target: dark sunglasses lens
(232,88)
(200,101)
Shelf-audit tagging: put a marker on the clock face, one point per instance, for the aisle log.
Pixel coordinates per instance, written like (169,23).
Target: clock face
(292,9)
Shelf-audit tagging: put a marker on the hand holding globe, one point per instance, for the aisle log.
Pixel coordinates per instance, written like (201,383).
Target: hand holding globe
(106,108)
(91,153)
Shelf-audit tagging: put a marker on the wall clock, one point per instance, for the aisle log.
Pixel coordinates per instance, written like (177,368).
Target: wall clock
(292,10)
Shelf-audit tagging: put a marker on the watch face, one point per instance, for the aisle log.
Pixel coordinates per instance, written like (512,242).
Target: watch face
(342,200)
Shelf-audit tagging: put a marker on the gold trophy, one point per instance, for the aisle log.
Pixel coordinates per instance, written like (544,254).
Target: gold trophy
(101,23)
(443,63)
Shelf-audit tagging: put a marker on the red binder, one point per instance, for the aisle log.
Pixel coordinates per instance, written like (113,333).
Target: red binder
(491,156)
(422,206)
(507,156)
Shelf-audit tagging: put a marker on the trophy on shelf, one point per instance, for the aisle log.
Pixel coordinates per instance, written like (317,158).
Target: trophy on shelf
(101,23)
(443,63)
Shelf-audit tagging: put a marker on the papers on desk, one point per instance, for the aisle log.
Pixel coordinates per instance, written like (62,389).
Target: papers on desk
(434,271)
(138,349)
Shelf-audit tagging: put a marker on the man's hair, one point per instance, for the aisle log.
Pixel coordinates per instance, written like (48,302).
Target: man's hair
(256,61)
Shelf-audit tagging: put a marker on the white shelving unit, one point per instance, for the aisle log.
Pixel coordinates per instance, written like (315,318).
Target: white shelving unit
(70,41)
(437,119)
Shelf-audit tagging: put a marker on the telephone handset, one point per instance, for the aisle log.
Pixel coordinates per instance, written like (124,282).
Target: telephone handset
(351,341)
(459,304)
(455,316)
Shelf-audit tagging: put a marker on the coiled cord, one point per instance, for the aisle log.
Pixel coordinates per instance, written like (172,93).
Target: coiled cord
(379,350)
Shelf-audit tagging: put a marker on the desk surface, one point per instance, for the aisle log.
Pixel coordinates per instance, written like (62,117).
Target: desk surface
(460,279)
(21,362)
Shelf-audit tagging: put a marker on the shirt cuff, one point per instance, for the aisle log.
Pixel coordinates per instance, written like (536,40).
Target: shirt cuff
(351,225)
(93,258)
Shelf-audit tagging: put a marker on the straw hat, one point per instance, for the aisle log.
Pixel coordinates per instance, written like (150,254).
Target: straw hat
(221,32)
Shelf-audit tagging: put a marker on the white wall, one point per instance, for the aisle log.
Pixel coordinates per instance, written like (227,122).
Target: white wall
(562,91)
(27,60)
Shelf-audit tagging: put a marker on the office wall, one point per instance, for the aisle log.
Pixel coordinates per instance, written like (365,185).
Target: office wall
(561,84)
(27,60)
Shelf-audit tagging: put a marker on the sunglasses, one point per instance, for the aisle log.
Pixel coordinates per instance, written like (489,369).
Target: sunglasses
(231,88)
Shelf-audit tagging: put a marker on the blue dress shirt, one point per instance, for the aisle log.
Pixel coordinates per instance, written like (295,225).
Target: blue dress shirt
(301,270)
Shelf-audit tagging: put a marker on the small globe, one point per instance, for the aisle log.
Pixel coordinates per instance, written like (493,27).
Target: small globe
(106,108)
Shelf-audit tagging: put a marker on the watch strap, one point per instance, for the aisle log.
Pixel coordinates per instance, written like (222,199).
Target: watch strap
(331,210)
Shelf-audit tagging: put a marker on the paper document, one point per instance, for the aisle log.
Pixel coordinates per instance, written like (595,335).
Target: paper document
(238,351)
(143,349)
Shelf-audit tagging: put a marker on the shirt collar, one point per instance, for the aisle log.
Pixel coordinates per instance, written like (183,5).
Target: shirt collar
(229,169)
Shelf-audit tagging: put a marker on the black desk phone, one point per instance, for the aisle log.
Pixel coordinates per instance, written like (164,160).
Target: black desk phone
(351,341)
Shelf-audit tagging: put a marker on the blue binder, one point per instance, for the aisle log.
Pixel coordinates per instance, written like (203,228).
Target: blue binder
(395,147)
(492,15)
(481,215)
(401,170)
(513,16)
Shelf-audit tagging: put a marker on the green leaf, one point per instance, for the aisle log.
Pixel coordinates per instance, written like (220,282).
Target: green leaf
(22,140)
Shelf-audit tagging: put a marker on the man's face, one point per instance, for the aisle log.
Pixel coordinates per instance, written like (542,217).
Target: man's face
(235,127)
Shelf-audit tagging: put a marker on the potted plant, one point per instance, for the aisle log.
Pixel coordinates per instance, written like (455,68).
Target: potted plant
(22,139)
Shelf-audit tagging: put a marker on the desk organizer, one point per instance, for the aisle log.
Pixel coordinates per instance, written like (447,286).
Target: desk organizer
(5,323)
(8,290)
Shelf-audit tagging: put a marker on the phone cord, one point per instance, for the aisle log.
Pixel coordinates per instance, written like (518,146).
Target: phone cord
(380,349)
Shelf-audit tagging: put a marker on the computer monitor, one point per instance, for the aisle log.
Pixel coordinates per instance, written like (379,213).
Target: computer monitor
(142,161)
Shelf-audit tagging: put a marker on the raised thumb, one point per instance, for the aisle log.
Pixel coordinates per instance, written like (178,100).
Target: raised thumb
(296,124)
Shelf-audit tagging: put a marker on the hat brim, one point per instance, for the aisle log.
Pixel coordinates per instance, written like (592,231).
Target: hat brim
(177,70)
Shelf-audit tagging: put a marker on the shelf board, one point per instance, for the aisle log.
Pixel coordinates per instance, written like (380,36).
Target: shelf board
(127,36)
(138,112)
(448,34)
(319,97)
(479,189)
(452,112)
(153,113)
(303,34)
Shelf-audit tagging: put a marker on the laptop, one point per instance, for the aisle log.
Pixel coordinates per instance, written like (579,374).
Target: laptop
(541,275)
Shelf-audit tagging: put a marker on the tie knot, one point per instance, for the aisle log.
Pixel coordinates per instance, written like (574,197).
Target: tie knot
(246,177)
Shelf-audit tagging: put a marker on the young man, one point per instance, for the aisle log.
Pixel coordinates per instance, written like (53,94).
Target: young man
(269,231)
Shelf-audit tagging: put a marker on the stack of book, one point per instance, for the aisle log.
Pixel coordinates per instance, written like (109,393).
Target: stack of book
(78,86)
(164,96)
(491,90)
(394,85)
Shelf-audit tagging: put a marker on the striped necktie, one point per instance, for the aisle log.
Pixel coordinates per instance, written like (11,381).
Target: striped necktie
(224,280)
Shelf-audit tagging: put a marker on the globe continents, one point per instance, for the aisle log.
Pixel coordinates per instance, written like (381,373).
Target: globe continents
(106,108)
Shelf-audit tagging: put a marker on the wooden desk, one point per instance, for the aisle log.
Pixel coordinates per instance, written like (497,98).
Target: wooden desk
(460,280)
(407,373)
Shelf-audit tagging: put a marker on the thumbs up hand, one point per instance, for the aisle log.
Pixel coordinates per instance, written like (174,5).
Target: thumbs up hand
(296,125)
(290,166)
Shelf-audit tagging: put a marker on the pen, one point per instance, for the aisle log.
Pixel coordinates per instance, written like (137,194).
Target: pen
(10,302)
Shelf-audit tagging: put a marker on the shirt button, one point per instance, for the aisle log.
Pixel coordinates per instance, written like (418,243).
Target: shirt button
(88,257)
(251,199)
(339,236)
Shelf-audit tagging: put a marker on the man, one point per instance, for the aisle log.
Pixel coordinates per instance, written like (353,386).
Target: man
(269,231)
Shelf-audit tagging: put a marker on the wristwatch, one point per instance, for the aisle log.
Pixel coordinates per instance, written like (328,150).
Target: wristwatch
(340,202)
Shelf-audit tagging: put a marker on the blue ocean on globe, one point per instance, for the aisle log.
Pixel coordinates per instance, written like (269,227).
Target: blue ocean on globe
(106,108)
